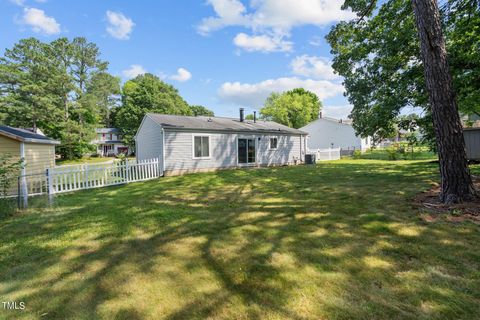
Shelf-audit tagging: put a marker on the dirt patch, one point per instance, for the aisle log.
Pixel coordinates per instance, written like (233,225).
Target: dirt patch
(432,209)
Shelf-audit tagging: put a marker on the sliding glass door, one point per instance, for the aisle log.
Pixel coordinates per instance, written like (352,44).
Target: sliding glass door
(246,150)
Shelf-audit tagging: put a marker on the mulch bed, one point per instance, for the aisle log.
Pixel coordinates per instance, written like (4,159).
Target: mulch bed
(432,209)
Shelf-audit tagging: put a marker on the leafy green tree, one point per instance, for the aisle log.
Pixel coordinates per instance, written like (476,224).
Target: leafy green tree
(379,57)
(62,87)
(382,59)
(143,94)
(201,111)
(294,108)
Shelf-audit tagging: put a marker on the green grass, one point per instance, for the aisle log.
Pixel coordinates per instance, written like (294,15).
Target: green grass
(93,160)
(420,153)
(339,240)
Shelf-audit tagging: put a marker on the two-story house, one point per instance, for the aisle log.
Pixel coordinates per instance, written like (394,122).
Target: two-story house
(109,142)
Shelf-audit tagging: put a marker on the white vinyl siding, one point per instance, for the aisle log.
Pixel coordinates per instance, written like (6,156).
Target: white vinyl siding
(179,150)
(149,141)
(325,133)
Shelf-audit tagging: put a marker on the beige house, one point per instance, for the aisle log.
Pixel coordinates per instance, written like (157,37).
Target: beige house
(37,150)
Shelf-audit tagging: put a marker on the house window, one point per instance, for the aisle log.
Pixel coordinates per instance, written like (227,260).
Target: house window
(201,147)
(111,136)
(273,143)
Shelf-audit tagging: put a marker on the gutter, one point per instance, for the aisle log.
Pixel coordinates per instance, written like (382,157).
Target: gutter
(29,140)
(237,131)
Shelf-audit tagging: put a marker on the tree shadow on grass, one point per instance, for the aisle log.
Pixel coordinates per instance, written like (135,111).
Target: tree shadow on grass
(292,243)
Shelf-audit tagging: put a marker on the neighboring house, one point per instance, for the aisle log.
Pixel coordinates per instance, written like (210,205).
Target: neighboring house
(37,150)
(472,142)
(190,144)
(109,142)
(326,132)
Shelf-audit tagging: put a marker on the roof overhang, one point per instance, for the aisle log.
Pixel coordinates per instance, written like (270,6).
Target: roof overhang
(272,132)
(28,140)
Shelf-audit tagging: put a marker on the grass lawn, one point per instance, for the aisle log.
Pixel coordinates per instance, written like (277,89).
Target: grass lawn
(93,160)
(339,240)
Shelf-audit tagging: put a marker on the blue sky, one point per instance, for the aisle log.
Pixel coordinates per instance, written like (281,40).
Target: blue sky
(219,53)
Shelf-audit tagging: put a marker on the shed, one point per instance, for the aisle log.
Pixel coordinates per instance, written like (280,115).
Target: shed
(191,144)
(472,142)
(37,150)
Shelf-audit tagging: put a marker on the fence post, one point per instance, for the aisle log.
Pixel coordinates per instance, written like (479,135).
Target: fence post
(23,191)
(87,182)
(51,191)
(125,167)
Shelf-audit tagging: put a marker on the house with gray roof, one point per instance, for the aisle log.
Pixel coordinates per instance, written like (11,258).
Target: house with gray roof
(109,142)
(326,132)
(191,144)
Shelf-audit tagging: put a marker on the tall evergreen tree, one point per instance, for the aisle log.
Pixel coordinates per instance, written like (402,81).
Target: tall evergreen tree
(62,87)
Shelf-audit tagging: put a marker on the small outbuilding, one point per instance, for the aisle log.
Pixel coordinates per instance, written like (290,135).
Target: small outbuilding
(472,142)
(326,132)
(191,144)
(37,150)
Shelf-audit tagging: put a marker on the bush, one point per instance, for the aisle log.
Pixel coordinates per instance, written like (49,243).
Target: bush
(392,153)
(9,170)
(357,154)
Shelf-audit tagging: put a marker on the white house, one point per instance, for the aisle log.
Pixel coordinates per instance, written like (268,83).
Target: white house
(190,144)
(109,142)
(328,132)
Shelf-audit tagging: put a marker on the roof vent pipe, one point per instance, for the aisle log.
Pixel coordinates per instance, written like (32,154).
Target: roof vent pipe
(254,116)
(320,116)
(242,115)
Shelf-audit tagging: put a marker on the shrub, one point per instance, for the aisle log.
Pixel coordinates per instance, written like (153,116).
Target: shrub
(9,169)
(392,153)
(357,154)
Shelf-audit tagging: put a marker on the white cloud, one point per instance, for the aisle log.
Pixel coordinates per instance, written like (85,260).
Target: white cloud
(18,2)
(182,75)
(119,26)
(229,12)
(133,71)
(272,16)
(314,67)
(263,43)
(281,16)
(254,94)
(39,22)
(337,112)
(315,41)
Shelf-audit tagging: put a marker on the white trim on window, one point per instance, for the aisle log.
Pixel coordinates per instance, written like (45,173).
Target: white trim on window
(270,143)
(209,146)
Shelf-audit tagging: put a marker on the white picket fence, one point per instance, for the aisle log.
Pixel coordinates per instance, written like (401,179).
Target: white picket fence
(326,154)
(72,178)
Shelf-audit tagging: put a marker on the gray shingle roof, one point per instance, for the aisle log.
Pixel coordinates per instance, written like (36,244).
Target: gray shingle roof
(25,135)
(220,124)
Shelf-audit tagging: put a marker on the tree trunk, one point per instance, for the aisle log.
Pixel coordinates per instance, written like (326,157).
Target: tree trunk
(456,182)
